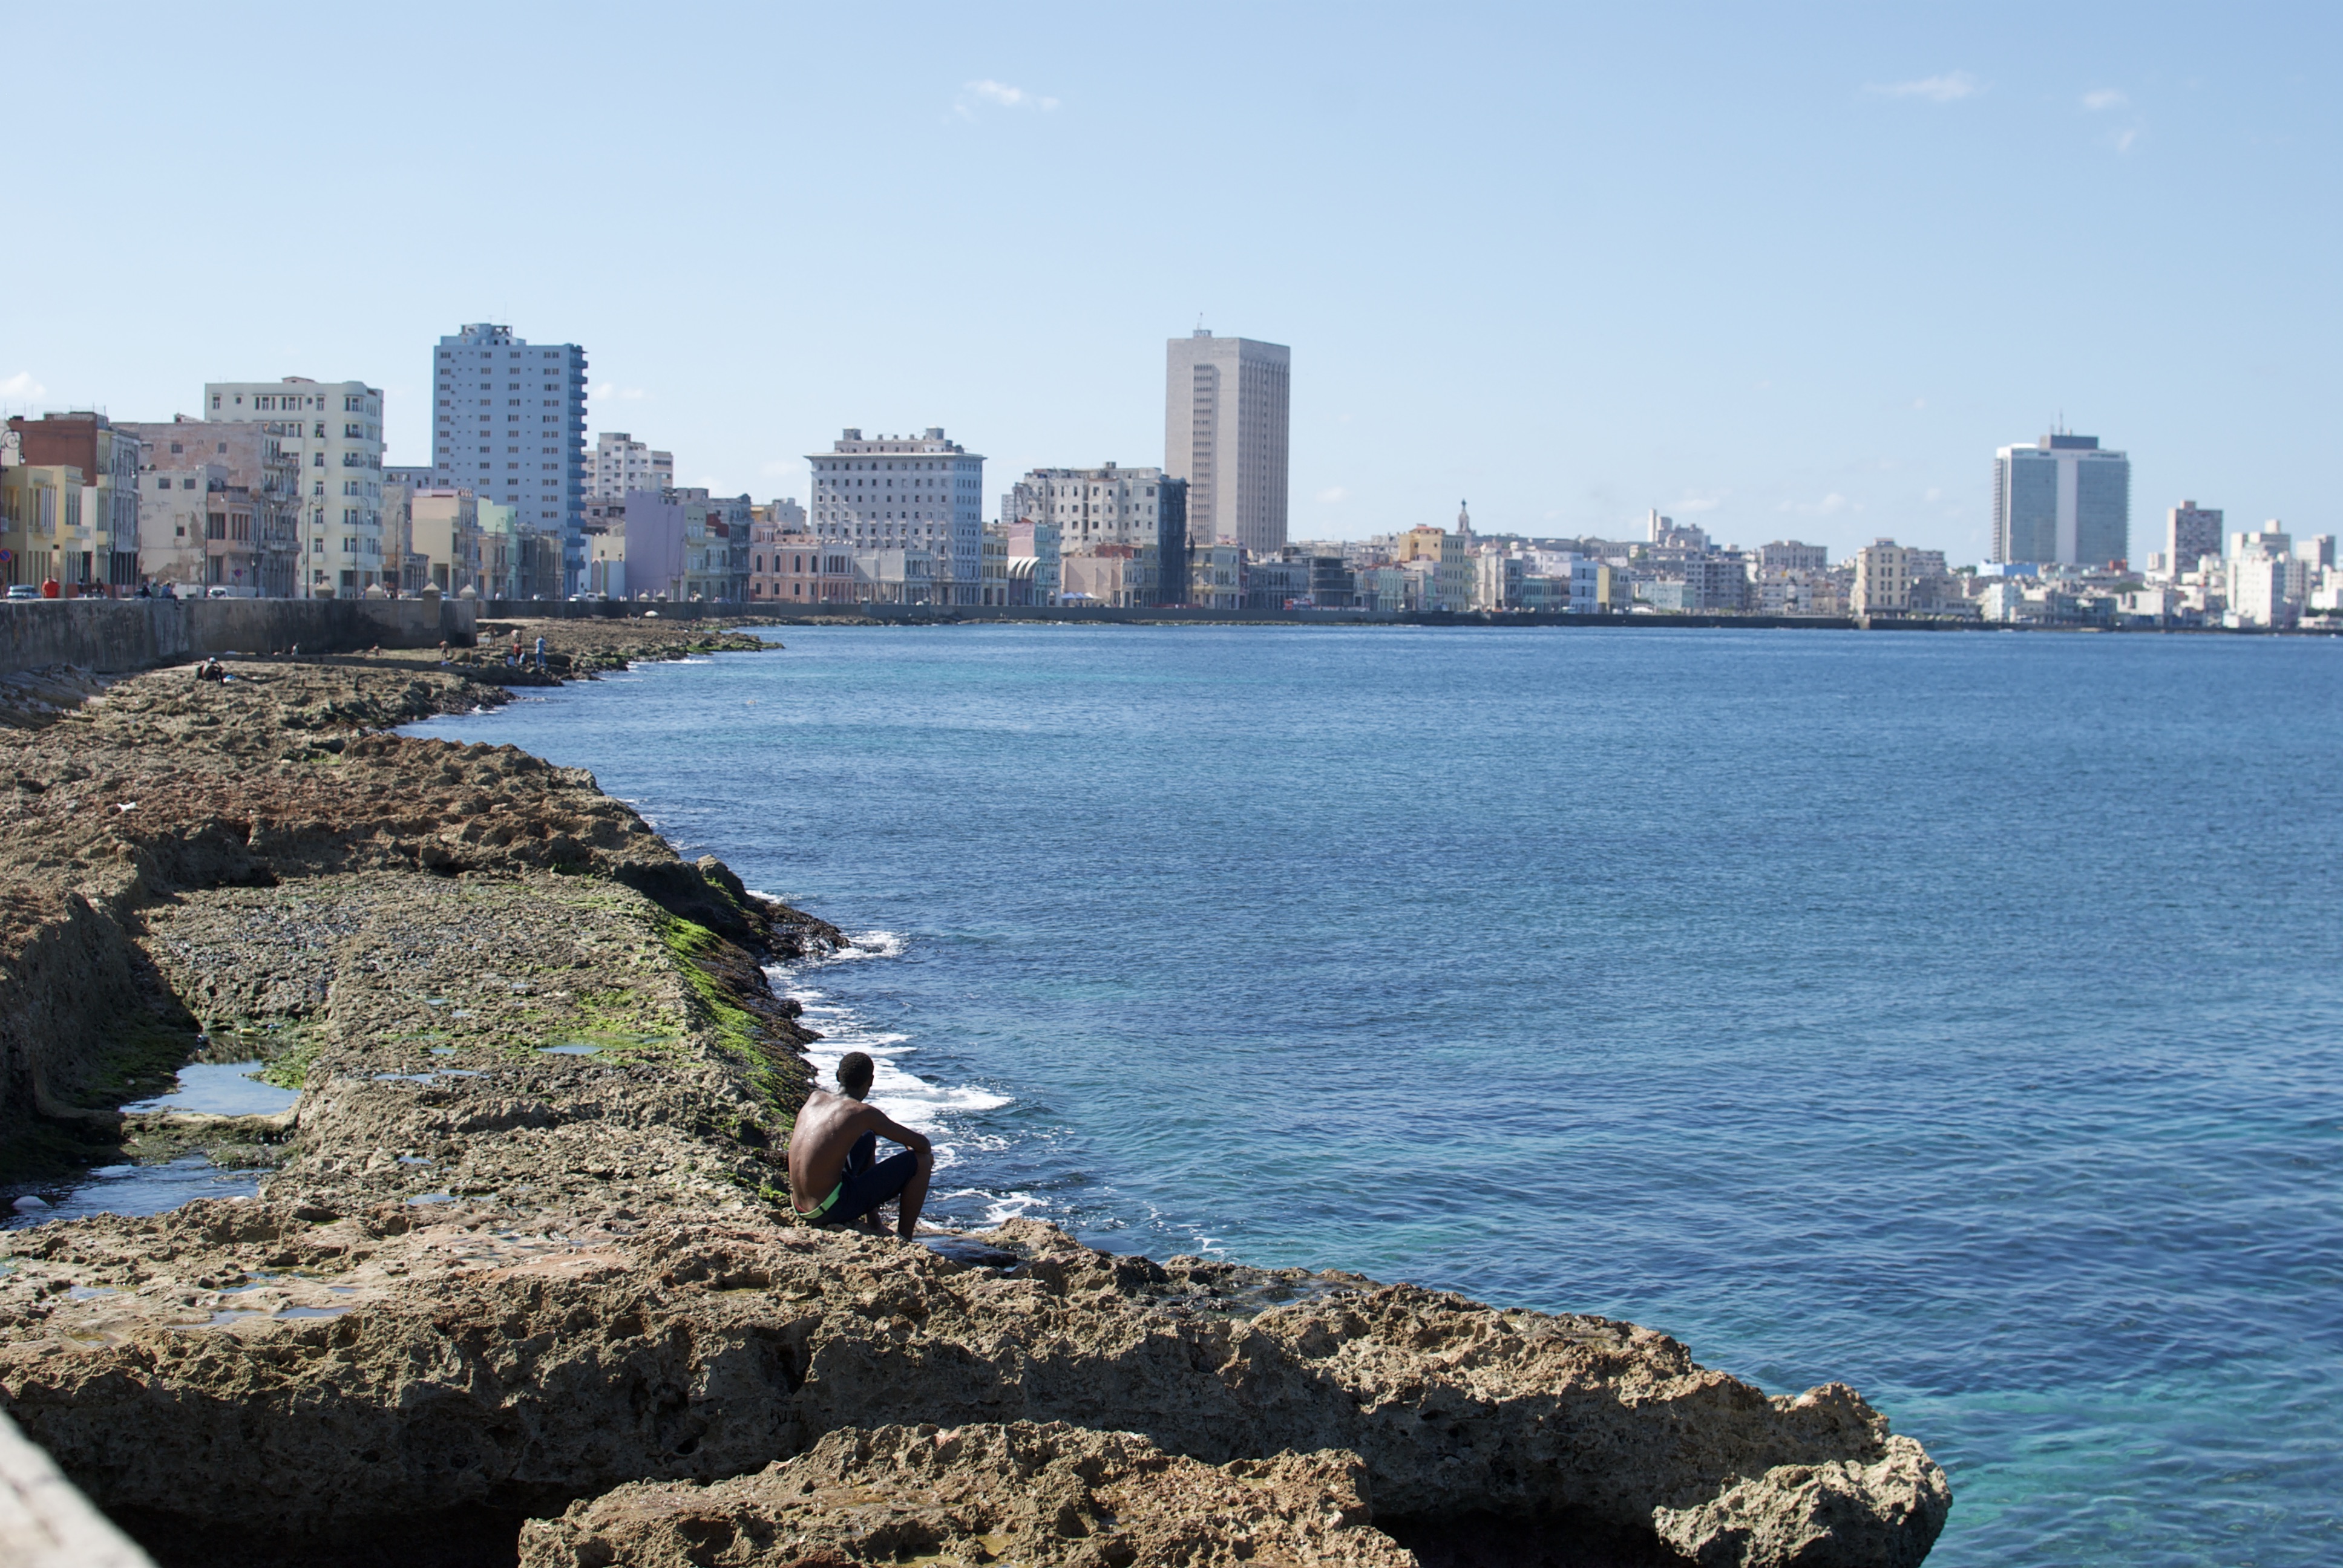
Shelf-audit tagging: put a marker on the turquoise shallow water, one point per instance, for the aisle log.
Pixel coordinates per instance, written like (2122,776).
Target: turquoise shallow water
(1956,1015)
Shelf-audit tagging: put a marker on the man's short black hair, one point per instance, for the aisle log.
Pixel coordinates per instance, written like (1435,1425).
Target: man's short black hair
(854,1072)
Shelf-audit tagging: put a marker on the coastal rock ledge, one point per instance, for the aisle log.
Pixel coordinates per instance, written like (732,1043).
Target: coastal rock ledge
(520,1286)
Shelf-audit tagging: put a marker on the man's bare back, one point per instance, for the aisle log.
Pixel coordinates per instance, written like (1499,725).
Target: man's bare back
(834,1173)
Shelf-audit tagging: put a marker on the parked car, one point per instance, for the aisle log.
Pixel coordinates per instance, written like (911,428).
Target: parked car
(22,590)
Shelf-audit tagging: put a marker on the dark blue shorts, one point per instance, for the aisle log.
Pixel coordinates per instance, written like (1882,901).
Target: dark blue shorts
(869,1180)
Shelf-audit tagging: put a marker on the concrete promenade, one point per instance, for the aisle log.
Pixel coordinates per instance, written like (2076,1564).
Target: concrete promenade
(112,636)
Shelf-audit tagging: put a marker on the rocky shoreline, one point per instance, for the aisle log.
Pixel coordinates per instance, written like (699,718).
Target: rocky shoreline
(519,1285)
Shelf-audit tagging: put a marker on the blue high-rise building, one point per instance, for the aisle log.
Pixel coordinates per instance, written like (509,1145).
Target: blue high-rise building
(2062,499)
(509,425)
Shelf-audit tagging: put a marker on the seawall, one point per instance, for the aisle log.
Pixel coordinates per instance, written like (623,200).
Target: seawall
(114,635)
(930,615)
(1075,615)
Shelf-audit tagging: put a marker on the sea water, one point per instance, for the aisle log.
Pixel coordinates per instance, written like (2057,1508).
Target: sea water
(1953,1014)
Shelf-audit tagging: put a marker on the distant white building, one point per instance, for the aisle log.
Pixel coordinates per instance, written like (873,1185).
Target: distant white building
(921,493)
(1102,506)
(2258,591)
(334,428)
(1789,555)
(622,463)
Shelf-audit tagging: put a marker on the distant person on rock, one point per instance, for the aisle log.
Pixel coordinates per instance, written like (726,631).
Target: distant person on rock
(835,1175)
(540,651)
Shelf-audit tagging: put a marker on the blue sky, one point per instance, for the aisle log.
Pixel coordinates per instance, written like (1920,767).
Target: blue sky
(1785,271)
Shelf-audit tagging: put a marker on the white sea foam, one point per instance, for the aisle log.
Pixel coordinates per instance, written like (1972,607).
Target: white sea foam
(902,1094)
(862,945)
(999,1206)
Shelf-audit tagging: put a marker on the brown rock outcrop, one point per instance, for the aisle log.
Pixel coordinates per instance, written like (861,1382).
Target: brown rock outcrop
(478,1358)
(1051,1495)
(162,786)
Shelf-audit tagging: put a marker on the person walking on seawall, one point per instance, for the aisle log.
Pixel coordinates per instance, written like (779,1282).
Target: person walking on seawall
(833,1150)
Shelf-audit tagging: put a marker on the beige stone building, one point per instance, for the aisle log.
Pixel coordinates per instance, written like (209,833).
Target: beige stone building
(1115,577)
(1885,573)
(334,429)
(219,505)
(444,531)
(1227,420)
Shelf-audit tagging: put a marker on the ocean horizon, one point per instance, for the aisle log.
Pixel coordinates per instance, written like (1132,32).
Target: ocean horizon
(1952,1017)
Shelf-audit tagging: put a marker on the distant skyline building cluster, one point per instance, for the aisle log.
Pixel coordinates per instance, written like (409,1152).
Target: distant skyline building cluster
(282,487)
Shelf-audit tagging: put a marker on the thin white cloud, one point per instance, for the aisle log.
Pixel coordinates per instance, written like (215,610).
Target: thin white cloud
(611,391)
(2103,98)
(1949,88)
(1829,506)
(1700,503)
(2121,141)
(21,384)
(1329,496)
(989,94)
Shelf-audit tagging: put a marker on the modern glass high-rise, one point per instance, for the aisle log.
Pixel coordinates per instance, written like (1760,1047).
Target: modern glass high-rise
(2062,500)
(509,426)
(1226,424)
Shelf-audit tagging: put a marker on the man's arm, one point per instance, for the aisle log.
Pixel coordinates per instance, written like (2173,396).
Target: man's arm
(887,1127)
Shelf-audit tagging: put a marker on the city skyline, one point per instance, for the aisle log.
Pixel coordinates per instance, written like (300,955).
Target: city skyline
(1753,273)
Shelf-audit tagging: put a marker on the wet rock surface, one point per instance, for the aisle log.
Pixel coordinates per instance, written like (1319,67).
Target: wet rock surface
(525,1253)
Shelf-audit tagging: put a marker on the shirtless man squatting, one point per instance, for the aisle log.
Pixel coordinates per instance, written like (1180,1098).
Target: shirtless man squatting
(836,1177)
